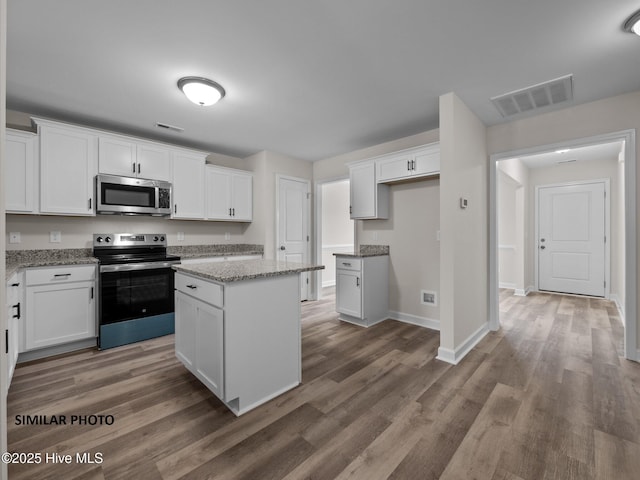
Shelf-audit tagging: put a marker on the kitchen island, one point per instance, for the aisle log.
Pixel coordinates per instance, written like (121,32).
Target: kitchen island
(238,328)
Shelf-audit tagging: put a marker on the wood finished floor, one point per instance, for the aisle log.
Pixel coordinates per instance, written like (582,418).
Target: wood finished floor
(546,397)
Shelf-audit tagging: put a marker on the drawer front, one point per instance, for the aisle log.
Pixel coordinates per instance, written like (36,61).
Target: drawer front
(348,263)
(208,292)
(52,275)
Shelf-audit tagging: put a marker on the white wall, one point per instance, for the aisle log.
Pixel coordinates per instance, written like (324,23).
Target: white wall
(463,232)
(507,234)
(604,116)
(336,226)
(3,319)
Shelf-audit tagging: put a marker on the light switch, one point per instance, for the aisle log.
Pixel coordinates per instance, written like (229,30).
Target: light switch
(464,203)
(55,237)
(14,237)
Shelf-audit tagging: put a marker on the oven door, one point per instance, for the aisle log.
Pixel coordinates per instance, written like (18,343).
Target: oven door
(134,291)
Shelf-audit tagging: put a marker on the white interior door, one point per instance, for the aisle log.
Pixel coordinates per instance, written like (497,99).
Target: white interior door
(293,225)
(571,238)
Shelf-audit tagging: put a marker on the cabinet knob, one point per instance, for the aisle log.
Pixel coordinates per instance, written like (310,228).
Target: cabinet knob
(282,247)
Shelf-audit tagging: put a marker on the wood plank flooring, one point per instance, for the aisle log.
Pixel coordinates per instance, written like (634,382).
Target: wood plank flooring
(547,397)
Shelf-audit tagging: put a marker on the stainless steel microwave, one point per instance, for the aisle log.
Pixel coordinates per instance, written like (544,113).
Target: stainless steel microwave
(132,196)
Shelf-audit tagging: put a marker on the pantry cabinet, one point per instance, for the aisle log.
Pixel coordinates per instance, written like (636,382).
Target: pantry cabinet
(229,194)
(68,165)
(20,171)
(129,157)
(59,305)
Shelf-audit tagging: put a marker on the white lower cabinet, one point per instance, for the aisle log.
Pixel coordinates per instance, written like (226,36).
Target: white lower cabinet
(199,340)
(242,338)
(362,289)
(59,305)
(14,314)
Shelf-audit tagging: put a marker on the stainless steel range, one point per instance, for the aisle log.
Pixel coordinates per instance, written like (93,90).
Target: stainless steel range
(135,286)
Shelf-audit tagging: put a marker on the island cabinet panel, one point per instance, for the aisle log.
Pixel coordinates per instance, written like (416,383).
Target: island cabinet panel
(247,352)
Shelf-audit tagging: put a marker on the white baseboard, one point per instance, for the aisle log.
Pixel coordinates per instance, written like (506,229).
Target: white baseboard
(329,283)
(509,286)
(454,356)
(415,320)
(520,292)
(615,299)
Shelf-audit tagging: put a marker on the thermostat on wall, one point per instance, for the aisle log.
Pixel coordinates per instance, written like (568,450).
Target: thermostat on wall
(463,202)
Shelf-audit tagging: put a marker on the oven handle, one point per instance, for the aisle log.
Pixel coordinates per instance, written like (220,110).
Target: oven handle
(136,266)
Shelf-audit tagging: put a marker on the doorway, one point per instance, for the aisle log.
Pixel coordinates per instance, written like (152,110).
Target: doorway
(335,230)
(624,247)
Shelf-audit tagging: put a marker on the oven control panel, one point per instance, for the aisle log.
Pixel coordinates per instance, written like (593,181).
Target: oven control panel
(129,239)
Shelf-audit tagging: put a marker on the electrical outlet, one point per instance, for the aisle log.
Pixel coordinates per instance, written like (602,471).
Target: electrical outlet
(180,236)
(55,237)
(14,237)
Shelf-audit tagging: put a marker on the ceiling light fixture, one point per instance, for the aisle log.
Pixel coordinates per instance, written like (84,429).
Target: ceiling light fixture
(201,91)
(632,25)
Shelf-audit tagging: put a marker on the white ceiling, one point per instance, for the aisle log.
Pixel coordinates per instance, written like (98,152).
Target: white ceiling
(306,79)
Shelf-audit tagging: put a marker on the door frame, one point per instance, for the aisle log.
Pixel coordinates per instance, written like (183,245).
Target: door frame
(607,228)
(317,211)
(631,273)
(307,221)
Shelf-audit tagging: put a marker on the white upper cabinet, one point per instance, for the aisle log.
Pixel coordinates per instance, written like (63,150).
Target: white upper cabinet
(229,194)
(369,199)
(188,185)
(154,161)
(409,164)
(20,172)
(129,157)
(68,165)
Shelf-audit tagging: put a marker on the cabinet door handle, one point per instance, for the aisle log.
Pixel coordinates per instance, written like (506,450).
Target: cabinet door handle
(229,211)
(89,204)
(62,275)
(15,284)
(175,208)
(234,212)
(6,340)
(347,264)
(192,287)
(91,293)
(408,164)
(357,281)
(17,307)
(133,167)
(413,164)
(138,168)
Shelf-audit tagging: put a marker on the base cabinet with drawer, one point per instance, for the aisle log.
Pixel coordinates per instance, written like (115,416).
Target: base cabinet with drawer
(362,289)
(60,305)
(242,338)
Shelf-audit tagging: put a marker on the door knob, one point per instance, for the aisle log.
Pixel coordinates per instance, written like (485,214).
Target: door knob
(542,247)
(282,247)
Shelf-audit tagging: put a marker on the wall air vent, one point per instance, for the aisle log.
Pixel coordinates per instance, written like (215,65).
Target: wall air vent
(547,94)
(166,126)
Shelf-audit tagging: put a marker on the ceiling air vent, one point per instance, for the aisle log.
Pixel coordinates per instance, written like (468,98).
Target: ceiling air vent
(551,93)
(166,126)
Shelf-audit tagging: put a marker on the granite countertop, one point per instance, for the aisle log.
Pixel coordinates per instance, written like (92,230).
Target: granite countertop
(239,270)
(17,259)
(367,251)
(221,250)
